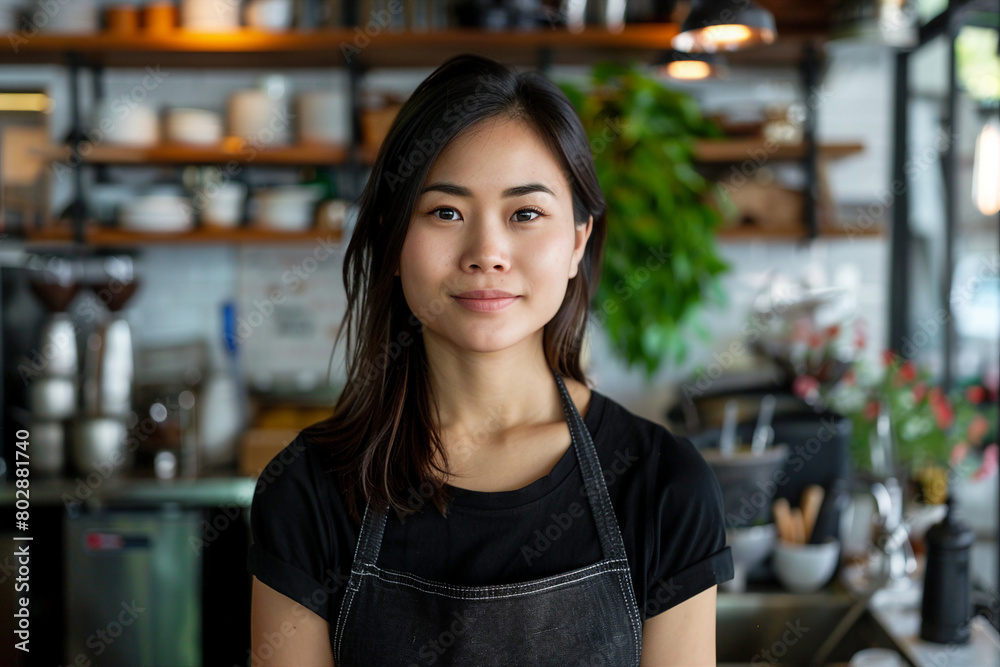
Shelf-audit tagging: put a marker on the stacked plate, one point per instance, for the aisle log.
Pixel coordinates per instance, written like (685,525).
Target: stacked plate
(157,211)
(193,126)
(116,123)
(210,15)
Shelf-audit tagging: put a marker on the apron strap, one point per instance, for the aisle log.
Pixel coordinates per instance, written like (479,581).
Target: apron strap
(593,478)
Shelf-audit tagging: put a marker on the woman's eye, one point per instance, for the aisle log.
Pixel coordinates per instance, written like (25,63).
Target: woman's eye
(446,210)
(528,210)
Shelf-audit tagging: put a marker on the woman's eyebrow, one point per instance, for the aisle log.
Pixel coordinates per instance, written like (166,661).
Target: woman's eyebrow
(461,191)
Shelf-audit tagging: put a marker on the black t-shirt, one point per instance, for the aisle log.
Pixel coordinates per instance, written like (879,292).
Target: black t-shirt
(666,499)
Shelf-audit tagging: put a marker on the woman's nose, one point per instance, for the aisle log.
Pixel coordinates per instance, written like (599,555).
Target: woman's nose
(487,248)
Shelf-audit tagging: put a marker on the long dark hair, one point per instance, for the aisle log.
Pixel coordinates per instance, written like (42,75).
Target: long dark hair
(381,437)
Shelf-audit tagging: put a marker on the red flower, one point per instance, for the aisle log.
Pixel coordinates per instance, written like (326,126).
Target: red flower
(944,415)
(978,427)
(975,394)
(908,371)
(859,342)
(871,410)
(919,392)
(888,357)
(832,330)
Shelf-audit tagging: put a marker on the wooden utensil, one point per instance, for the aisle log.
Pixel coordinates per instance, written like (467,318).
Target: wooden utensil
(798,527)
(812,500)
(783,519)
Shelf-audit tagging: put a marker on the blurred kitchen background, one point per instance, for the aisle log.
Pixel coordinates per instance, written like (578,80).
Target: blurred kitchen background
(820,179)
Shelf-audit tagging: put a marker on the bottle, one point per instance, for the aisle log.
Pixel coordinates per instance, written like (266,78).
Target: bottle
(945,610)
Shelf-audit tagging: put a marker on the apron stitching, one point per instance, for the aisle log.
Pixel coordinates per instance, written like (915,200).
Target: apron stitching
(500,597)
(604,565)
(629,603)
(606,508)
(350,591)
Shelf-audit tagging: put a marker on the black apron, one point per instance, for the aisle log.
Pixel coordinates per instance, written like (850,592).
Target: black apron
(586,616)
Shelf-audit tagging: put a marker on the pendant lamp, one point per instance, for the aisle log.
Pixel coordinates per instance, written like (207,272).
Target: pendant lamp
(724,25)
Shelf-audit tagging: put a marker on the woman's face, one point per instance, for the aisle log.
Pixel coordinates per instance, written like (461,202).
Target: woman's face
(494,213)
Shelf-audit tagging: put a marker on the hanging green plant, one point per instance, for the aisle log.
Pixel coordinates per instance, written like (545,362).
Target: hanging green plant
(661,262)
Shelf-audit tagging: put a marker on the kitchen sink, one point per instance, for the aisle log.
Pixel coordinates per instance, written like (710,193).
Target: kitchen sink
(788,629)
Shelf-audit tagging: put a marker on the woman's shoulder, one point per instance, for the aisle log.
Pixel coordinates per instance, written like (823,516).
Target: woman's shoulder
(618,422)
(667,460)
(297,473)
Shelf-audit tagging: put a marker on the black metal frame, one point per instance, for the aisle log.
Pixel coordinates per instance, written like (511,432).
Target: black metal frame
(945,24)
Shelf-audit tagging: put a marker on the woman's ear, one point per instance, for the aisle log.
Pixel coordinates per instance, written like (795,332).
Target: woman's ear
(582,236)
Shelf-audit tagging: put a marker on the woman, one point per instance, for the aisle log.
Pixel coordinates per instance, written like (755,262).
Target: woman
(534,520)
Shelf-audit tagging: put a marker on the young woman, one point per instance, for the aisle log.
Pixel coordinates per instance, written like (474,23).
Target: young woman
(534,520)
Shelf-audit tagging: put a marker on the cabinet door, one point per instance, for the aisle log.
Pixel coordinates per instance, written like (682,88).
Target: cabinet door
(134,588)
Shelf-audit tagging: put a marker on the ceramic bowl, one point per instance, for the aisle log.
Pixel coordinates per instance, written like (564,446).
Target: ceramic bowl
(805,568)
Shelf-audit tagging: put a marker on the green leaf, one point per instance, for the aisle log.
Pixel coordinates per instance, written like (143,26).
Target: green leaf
(657,203)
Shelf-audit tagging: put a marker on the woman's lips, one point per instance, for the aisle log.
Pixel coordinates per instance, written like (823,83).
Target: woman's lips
(485,305)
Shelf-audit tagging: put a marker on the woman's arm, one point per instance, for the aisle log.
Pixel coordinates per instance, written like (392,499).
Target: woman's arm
(682,635)
(286,634)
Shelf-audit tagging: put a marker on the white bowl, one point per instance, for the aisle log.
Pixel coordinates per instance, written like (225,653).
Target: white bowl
(157,213)
(116,123)
(221,205)
(193,126)
(750,546)
(286,208)
(806,568)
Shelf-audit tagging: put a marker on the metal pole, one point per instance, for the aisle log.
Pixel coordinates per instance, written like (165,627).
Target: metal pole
(899,244)
(949,164)
(810,78)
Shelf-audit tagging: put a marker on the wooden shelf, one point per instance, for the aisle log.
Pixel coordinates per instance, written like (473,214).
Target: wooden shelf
(328,46)
(233,148)
(737,150)
(97,235)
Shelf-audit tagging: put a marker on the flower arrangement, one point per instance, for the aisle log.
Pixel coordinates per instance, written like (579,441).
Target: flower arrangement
(931,432)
